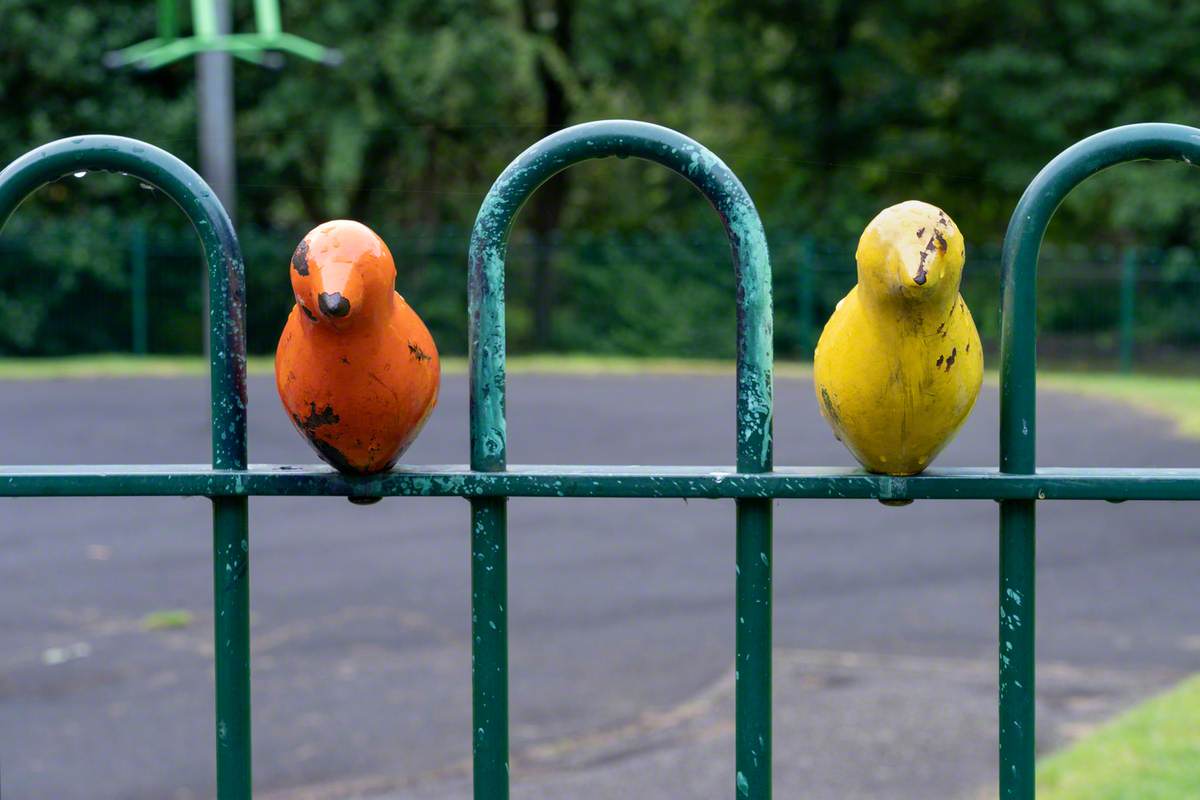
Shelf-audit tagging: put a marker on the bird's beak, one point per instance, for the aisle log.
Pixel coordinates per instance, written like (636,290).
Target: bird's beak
(333,304)
(918,270)
(339,293)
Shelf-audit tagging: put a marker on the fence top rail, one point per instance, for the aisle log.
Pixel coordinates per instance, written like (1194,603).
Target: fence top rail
(1019,258)
(153,166)
(743,227)
(553,480)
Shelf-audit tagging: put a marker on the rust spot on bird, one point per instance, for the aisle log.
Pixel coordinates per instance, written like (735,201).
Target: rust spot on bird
(416,352)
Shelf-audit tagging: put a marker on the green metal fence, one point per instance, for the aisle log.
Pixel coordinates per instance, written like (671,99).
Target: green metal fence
(489,480)
(92,283)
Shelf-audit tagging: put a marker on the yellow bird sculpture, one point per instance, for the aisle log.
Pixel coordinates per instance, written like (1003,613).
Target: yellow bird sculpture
(898,366)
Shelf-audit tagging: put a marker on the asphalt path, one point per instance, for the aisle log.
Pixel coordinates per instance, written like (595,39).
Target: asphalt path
(621,610)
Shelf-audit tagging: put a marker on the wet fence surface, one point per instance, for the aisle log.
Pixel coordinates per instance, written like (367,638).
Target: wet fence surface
(78,286)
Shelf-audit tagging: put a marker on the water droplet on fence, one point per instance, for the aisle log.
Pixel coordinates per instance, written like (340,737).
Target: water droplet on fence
(81,173)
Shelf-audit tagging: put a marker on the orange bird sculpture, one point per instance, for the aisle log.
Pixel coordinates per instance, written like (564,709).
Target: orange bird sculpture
(356,368)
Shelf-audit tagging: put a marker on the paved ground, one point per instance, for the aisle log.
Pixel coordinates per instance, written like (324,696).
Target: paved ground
(621,610)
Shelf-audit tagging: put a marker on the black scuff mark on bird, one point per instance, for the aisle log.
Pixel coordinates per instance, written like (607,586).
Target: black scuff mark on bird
(307,313)
(345,361)
(316,419)
(309,426)
(416,352)
(919,278)
(968,347)
(920,232)
(300,258)
(832,413)
(950,360)
(332,455)
(940,360)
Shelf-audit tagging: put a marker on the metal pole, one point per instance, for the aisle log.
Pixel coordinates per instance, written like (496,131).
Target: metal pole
(214,111)
(1128,301)
(137,287)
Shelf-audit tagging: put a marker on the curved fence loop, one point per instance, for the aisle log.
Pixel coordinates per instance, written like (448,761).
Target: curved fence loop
(178,181)
(1018,417)
(489,245)
(1022,245)
(227,363)
(489,445)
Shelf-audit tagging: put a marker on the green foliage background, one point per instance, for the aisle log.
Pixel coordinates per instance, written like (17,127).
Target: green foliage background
(828,110)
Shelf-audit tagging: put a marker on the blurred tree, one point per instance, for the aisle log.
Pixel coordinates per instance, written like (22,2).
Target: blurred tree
(828,109)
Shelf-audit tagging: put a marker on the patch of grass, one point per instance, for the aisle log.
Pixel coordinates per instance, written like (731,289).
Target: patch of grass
(167,620)
(102,366)
(1149,753)
(124,366)
(1175,397)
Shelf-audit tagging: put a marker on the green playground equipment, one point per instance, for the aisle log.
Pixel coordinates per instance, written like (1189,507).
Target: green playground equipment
(263,47)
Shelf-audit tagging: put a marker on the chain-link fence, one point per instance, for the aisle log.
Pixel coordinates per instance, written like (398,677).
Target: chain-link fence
(87,287)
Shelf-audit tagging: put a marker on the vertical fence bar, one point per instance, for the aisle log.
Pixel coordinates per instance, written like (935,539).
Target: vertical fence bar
(1018,410)
(1017,559)
(227,364)
(489,645)
(805,275)
(1129,271)
(752,669)
(231,515)
(489,515)
(139,322)
(231,639)
(489,244)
